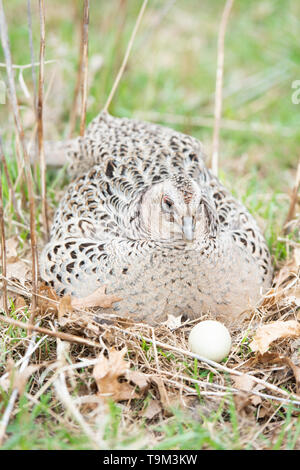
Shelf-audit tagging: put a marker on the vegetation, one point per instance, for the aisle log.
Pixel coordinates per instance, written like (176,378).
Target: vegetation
(170,79)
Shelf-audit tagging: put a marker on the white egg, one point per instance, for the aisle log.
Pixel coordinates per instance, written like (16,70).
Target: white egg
(210,339)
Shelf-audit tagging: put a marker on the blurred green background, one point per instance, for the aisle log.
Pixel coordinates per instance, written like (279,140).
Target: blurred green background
(170,78)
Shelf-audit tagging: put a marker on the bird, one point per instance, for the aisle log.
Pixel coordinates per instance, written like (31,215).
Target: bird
(145,217)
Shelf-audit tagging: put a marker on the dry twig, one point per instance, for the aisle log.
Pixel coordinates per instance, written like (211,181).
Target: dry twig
(127,53)
(3,248)
(84,65)
(40,122)
(20,132)
(9,182)
(219,86)
(29,21)
(214,364)
(45,331)
(14,395)
(293,199)
(65,397)
(74,106)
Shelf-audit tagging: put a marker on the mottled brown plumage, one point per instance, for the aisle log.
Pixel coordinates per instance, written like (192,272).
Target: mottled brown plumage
(145,217)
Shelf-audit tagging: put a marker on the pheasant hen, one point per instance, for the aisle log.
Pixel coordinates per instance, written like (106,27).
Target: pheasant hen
(146,218)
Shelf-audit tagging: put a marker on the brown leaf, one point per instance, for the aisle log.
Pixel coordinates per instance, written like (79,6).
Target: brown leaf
(243,382)
(97,299)
(296,372)
(256,400)
(281,359)
(243,404)
(18,270)
(173,322)
(65,307)
(48,298)
(20,302)
(139,379)
(153,409)
(270,332)
(165,399)
(107,373)
(265,410)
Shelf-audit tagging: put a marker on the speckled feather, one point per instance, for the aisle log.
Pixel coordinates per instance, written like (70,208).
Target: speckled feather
(99,235)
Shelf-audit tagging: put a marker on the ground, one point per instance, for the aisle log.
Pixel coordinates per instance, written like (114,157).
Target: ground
(162,398)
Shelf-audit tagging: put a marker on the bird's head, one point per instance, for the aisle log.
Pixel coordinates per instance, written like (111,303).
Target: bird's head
(178,208)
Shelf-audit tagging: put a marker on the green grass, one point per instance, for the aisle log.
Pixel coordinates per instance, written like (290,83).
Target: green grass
(171,71)
(219,430)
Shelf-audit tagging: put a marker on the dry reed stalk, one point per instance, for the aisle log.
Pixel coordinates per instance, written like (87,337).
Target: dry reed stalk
(27,66)
(127,53)
(20,133)
(293,200)
(56,334)
(219,87)
(84,65)
(3,249)
(29,21)
(40,123)
(9,182)
(227,389)
(64,396)
(74,107)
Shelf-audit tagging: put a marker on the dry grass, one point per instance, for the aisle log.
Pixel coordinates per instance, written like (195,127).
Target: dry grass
(248,401)
(176,379)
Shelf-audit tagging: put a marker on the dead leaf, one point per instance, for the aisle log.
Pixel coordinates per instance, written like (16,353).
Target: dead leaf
(19,271)
(270,332)
(153,409)
(243,404)
(48,298)
(97,299)
(265,410)
(281,359)
(296,372)
(173,322)
(65,307)
(166,401)
(107,373)
(243,382)
(139,379)
(20,302)
(256,400)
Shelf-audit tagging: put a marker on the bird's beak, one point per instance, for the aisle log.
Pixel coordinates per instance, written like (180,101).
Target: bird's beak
(188,228)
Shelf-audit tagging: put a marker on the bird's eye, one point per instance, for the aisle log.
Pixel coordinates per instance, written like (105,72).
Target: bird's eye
(167,203)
